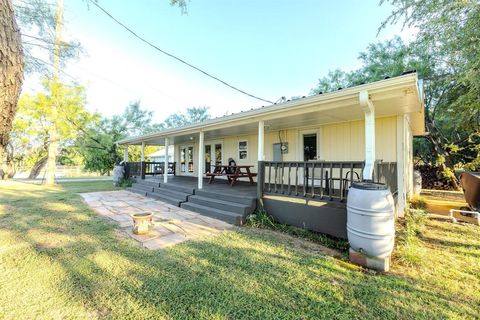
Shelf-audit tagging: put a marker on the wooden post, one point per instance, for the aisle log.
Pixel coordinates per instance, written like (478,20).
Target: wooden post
(142,154)
(125,154)
(143,167)
(165,163)
(260,183)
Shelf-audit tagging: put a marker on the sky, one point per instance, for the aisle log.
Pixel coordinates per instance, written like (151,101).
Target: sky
(269,48)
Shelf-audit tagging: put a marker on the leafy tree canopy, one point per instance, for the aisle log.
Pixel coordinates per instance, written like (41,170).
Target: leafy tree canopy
(97,142)
(447,56)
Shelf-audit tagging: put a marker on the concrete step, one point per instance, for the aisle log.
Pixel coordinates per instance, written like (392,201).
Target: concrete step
(165,198)
(230,217)
(142,187)
(229,206)
(231,197)
(149,183)
(171,193)
(178,188)
(139,191)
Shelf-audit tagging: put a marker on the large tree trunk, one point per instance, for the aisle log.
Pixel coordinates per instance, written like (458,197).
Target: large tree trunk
(54,88)
(11,75)
(37,167)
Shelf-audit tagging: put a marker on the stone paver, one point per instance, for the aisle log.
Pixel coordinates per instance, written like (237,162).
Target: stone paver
(171,225)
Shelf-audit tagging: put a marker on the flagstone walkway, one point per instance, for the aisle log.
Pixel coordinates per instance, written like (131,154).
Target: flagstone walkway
(171,225)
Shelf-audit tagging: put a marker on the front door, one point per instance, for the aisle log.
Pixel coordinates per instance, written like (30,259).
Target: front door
(186,160)
(309,147)
(213,155)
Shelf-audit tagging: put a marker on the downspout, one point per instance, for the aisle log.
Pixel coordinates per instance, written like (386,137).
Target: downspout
(367,107)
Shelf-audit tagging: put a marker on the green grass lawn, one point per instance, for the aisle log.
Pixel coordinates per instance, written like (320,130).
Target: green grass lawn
(58,259)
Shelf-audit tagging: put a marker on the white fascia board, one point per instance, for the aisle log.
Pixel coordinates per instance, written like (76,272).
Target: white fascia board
(352,92)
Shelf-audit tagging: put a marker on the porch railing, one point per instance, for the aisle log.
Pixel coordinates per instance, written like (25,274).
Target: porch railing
(147,168)
(328,180)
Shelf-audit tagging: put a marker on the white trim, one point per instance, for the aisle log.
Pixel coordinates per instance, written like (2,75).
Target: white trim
(165,163)
(261,141)
(272,111)
(238,149)
(186,172)
(212,144)
(301,133)
(401,198)
(201,158)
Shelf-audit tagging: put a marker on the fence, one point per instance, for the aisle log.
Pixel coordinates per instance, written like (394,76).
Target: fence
(318,179)
(142,169)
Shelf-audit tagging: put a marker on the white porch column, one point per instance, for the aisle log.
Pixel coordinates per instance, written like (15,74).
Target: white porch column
(261,140)
(401,149)
(165,164)
(201,159)
(142,154)
(125,154)
(369,111)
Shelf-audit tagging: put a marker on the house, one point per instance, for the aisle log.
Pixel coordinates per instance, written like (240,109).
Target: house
(307,153)
(159,155)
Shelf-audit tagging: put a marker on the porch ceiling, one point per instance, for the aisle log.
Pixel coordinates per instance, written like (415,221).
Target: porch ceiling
(389,98)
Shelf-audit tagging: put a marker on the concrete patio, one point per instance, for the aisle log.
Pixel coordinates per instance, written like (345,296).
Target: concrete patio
(172,225)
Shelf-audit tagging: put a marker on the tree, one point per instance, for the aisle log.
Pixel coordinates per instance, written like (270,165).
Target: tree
(449,31)
(11,76)
(446,55)
(31,134)
(97,145)
(96,142)
(192,115)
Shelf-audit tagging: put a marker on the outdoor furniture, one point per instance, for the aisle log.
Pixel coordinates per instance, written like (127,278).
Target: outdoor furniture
(233,173)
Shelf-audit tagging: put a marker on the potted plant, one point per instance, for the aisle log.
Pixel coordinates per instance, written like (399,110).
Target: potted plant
(142,223)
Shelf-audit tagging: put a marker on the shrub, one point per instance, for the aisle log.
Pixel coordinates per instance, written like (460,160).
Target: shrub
(125,182)
(418,202)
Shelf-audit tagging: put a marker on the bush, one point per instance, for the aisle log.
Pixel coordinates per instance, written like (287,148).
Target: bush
(125,183)
(418,202)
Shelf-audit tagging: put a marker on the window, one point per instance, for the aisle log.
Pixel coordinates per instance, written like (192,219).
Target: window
(242,149)
(190,159)
(218,154)
(182,159)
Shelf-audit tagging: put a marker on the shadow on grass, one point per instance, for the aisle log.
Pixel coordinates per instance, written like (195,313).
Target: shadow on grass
(240,274)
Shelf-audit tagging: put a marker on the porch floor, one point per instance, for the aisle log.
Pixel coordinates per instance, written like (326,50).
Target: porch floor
(241,188)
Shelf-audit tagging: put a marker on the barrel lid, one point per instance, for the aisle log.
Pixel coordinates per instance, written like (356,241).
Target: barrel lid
(369,185)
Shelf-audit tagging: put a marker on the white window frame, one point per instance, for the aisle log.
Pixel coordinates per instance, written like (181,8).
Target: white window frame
(238,149)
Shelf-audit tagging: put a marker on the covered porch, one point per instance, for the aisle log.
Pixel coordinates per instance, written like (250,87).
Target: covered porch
(311,148)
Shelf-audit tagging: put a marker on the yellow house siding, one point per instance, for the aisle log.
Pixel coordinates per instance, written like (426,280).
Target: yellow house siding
(337,142)
(346,141)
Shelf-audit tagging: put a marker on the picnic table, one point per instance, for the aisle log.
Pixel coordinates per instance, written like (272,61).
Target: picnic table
(233,173)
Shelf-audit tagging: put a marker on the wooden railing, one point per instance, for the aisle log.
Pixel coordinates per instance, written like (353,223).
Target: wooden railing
(146,168)
(318,179)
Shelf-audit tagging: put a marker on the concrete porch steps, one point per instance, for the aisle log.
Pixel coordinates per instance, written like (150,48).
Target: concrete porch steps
(226,206)
(220,204)
(178,188)
(165,198)
(230,217)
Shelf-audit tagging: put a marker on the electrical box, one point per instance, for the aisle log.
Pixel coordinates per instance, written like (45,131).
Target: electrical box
(278,150)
